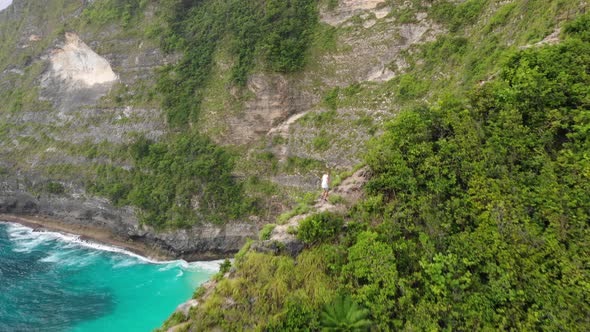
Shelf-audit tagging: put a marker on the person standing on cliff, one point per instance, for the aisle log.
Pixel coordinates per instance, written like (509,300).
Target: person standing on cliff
(325,186)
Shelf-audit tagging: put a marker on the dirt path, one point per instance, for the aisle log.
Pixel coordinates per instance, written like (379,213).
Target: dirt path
(351,191)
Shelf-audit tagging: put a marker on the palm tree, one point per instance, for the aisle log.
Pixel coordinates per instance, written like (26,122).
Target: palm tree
(344,315)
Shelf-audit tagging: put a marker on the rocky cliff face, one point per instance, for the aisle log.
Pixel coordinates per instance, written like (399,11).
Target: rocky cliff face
(79,210)
(68,85)
(76,91)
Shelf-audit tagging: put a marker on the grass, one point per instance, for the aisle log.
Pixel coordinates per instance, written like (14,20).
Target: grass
(175,319)
(336,199)
(273,279)
(266,231)
(300,165)
(322,141)
(298,210)
(303,205)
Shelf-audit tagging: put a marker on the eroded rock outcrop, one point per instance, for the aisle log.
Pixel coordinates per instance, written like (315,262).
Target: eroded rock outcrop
(76,76)
(78,65)
(201,242)
(349,8)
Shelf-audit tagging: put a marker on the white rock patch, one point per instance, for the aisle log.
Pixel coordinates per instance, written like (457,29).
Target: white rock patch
(349,8)
(360,4)
(78,63)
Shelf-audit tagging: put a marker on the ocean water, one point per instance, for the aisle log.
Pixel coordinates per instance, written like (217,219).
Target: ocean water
(54,282)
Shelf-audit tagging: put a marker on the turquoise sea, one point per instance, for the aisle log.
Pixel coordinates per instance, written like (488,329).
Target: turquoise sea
(55,282)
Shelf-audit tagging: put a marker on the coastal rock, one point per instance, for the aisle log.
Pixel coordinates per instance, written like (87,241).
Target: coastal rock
(79,211)
(179,328)
(185,307)
(290,246)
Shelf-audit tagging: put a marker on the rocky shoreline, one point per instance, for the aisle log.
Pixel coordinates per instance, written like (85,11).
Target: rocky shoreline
(89,233)
(96,219)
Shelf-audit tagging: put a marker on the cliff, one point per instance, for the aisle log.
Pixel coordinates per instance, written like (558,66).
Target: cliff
(78,89)
(57,115)
(190,126)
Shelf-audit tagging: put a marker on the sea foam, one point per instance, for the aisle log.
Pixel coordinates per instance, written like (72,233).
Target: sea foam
(27,239)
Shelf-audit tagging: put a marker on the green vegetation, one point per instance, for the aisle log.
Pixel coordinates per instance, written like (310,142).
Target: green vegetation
(175,319)
(482,201)
(266,231)
(336,199)
(176,183)
(457,16)
(344,315)
(186,178)
(225,266)
(319,228)
(124,11)
(54,188)
(288,294)
(302,165)
(322,141)
(277,31)
(303,205)
(476,217)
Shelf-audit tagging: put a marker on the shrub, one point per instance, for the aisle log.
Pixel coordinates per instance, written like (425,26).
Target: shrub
(177,183)
(411,88)
(321,227)
(344,315)
(54,188)
(298,315)
(580,28)
(331,98)
(266,231)
(200,291)
(225,266)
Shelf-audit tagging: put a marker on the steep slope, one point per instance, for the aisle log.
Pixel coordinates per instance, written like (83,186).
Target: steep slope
(188,126)
(476,215)
(81,97)
(78,83)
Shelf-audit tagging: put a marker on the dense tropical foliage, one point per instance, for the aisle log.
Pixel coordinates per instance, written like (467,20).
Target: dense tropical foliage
(486,203)
(186,178)
(476,217)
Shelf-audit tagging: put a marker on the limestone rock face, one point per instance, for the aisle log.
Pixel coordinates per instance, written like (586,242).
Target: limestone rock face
(349,8)
(93,87)
(201,242)
(80,84)
(76,75)
(76,63)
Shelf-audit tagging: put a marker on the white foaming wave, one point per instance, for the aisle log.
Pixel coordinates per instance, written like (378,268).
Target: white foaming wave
(209,266)
(30,239)
(53,257)
(27,239)
(70,258)
(181,264)
(212,266)
(127,261)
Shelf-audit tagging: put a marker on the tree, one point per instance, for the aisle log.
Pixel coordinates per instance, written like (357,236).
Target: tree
(344,315)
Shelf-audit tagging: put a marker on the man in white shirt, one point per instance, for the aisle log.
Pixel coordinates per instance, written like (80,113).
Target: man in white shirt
(325,186)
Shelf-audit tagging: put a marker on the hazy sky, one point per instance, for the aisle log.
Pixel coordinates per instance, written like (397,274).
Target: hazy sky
(4,3)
